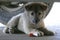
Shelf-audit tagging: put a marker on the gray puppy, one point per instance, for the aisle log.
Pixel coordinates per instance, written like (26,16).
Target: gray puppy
(30,21)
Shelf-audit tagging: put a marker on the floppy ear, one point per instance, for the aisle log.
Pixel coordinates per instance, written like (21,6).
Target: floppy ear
(28,7)
(49,4)
(43,7)
(38,5)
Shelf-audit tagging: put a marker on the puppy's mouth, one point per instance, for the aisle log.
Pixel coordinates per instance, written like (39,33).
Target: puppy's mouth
(36,24)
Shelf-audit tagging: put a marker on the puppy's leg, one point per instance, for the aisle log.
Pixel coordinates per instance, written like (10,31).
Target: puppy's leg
(11,24)
(46,31)
(6,30)
(43,29)
(30,30)
(36,33)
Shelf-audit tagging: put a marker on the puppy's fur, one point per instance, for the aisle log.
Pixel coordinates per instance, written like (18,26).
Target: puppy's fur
(30,21)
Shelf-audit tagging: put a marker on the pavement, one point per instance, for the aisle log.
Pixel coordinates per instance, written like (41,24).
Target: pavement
(26,37)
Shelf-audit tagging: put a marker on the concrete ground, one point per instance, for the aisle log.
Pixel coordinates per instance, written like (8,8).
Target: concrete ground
(26,37)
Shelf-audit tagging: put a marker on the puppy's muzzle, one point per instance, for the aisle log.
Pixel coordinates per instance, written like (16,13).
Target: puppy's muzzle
(36,21)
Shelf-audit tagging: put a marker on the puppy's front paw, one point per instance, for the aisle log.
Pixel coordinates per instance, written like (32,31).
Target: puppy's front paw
(46,32)
(36,33)
(11,31)
(6,30)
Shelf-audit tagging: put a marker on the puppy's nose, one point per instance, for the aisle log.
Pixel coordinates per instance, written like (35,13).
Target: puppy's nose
(36,21)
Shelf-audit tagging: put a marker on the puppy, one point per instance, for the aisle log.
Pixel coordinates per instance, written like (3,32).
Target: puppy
(30,21)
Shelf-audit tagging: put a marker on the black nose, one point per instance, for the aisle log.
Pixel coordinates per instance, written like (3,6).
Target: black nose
(35,21)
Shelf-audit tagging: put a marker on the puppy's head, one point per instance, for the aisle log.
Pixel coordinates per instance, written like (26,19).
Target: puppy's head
(36,11)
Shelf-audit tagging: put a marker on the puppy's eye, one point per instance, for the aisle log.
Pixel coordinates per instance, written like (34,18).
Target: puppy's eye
(39,13)
(32,13)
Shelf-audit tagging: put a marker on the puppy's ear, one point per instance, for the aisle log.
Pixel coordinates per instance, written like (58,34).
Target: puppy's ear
(28,7)
(40,6)
(31,7)
(43,7)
